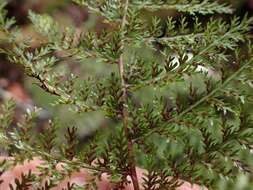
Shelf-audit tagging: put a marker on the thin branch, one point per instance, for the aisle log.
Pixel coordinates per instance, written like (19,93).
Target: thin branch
(203,99)
(131,157)
(175,38)
(151,82)
(228,80)
(205,7)
(61,94)
(46,86)
(50,157)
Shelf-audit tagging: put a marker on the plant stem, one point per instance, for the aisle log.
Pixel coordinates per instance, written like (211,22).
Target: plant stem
(131,158)
(204,98)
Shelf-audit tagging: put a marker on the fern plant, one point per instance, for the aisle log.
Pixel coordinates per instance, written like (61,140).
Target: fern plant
(179,91)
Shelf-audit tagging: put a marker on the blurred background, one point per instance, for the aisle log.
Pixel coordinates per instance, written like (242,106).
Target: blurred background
(13,82)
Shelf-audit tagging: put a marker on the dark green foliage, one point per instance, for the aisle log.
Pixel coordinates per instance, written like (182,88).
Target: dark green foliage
(24,183)
(2,169)
(180,94)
